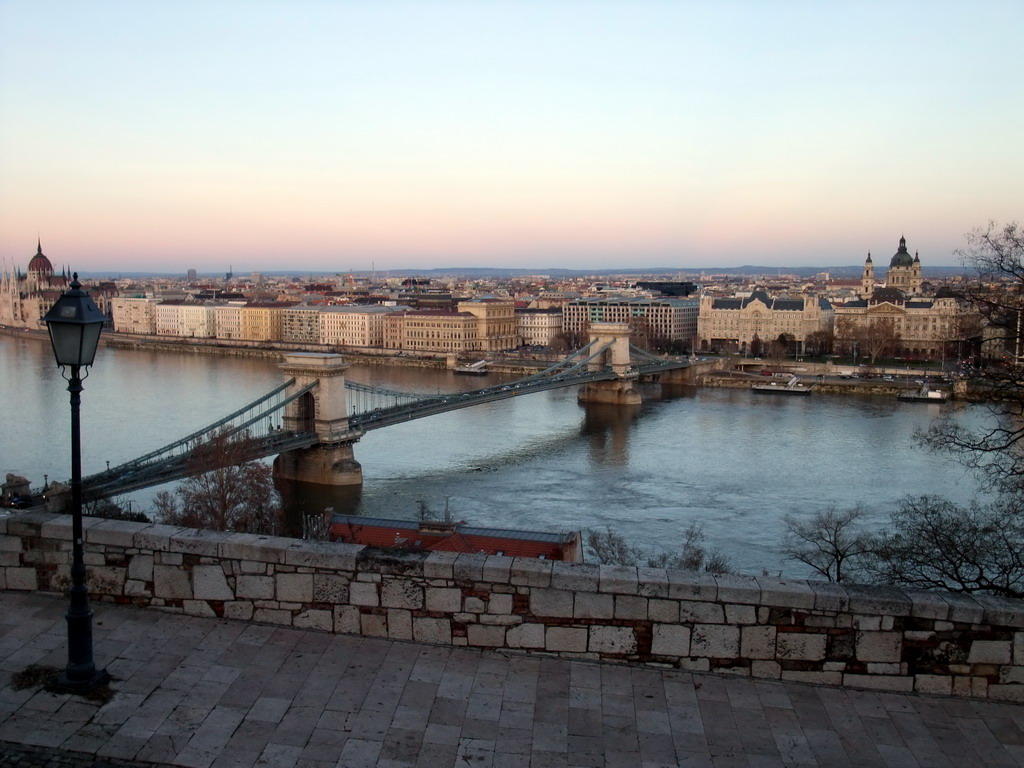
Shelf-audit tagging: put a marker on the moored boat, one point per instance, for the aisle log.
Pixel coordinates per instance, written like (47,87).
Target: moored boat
(923,395)
(791,387)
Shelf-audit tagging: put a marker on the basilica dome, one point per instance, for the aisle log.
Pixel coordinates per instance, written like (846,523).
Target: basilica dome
(902,257)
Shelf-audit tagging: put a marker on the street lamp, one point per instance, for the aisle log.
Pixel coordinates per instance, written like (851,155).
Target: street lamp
(75,322)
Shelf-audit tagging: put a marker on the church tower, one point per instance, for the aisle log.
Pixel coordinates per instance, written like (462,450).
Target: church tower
(867,282)
(904,271)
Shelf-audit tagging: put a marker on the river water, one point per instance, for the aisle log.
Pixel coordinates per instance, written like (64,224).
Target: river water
(733,461)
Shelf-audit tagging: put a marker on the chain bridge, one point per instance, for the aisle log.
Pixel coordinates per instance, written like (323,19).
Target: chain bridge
(311,422)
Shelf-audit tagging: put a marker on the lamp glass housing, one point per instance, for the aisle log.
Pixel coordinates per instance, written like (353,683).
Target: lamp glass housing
(74,323)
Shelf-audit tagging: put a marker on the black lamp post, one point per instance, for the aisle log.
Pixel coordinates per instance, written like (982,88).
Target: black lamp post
(75,322)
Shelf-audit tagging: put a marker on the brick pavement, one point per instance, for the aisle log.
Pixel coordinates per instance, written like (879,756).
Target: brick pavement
(207,692)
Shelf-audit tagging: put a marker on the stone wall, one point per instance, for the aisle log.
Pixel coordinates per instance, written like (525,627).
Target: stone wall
(764,627)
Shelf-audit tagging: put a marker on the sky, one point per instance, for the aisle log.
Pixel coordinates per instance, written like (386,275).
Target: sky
(336,136)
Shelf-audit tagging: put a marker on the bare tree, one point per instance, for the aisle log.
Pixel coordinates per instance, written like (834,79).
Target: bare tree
(995,450)
(611,548)
(224,492)
(820,342)
(935,544)
(878,337)
(831,542)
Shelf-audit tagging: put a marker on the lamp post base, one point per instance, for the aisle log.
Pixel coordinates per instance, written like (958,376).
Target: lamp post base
(97,679)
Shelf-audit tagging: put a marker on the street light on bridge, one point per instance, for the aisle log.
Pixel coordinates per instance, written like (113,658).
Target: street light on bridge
(75,323)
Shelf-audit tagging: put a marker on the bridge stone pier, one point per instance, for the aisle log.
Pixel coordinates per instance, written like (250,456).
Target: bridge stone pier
(621,390)
(323,410)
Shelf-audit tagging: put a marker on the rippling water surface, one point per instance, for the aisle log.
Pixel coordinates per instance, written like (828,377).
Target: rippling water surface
(731,460)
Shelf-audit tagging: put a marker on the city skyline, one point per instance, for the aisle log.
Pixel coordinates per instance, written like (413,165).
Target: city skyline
(580,135)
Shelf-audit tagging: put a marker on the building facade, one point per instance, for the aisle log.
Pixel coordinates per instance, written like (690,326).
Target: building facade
(674,320)
(919,328)
(539,327)
(732,324)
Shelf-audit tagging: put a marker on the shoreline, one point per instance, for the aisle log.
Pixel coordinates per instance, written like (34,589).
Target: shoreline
(242,348)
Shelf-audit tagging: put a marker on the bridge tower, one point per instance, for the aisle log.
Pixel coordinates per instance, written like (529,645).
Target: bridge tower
(325,411)
(622,389)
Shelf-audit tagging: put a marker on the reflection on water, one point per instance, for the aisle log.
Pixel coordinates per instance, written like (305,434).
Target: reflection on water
(724,458)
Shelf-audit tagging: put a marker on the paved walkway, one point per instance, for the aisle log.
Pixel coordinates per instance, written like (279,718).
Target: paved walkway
(205,692)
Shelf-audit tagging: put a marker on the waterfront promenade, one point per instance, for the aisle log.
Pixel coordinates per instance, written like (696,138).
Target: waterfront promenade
(209,692)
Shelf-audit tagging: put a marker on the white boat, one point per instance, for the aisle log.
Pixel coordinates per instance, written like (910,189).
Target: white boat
(791,387)
(924,395)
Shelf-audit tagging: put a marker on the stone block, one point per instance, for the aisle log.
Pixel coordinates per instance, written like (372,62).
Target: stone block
(568,639)
(530,572)
(525,636)
(399,624)
(499,604)
(701,613)
(785,593)
(829,596)
(770,670)
(314,619)
(485,636)
(136,588)
(927,605)
(757,642)
(105,580)
(12,543)
(273,616)
(619,579)
(428,630)
(653,582)
(346,619)
(800,646)
(401,593)
(469,568)
(113,533)
(140,567)
(593,606)
(253,566)
(879,646)
(363,593)
(59,528)
(252,546)
(193,541)
(156,538)
(13,559)
(665,611)
(294,587)
(21,578)
(990,652)
(501,621)
(1006,692)
(631,607)
(695,665)
(474,605)
(496,570)
(330,555)
(172,583)
(440,565)
(963,608)
(867,623)
(373,625)
(240,610)
(612,640)
(330,588)
(740,614)
(443,599)
(209,583)
(734,588)
(812,676)
(716,641)
(29,523)
(556,603)
(692,585)
(885,668)
(254,587)
(1001,611)
(199,608)
(168,558)
(941,685)
(878,601)
(575,577)
(878,682)
(670,640)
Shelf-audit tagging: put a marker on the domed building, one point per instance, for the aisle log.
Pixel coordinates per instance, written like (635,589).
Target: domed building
(904,273)
(25,298)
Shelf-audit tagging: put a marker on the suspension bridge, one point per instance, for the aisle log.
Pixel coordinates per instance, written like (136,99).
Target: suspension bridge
(311,422)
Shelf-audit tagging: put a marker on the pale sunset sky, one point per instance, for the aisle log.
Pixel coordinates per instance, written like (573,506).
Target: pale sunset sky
(333,135)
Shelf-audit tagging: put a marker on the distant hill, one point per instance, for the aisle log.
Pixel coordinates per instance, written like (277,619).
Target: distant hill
(469,273)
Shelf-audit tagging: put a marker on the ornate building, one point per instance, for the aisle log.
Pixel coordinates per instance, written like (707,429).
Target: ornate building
(733,323)
(25,298)
(904,273)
